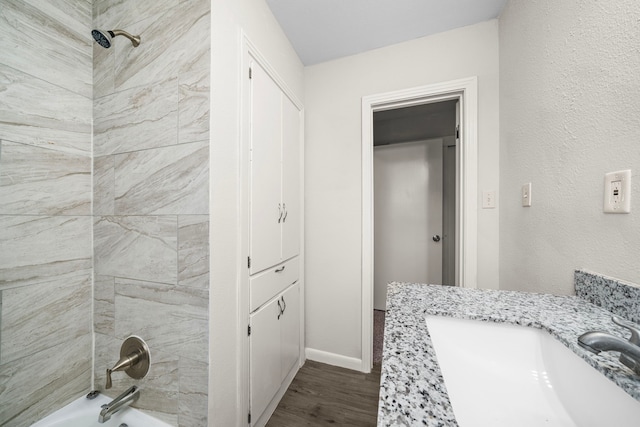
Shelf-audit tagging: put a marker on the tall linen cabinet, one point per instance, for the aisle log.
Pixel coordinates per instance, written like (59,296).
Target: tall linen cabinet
(274,241)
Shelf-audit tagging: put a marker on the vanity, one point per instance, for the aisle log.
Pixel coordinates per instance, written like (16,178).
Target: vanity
(414,390)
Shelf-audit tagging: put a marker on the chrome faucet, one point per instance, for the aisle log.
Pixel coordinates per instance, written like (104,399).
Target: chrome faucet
(125,399)
(601,341)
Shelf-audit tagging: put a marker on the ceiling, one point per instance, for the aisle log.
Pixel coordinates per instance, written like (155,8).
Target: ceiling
(322,30)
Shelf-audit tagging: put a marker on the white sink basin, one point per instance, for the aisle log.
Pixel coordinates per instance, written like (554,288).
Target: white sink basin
(505,375)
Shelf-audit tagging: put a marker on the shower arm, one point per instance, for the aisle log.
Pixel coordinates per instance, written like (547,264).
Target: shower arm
(135,40)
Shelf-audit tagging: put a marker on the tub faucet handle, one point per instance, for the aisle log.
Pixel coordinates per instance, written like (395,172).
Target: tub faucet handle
(134,359)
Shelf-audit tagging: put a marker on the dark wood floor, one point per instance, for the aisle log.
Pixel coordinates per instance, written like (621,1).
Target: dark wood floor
(323,395)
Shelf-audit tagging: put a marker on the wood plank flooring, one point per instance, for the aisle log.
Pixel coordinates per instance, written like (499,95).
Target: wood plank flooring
(323,395)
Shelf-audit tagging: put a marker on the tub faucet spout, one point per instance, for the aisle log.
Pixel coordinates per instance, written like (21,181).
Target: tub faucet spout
(596,342)
(125,399)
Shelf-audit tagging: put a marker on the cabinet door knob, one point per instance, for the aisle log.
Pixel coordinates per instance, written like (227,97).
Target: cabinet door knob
(284,304)
(278,270)
(284,208)
(280,310)
(436,238)
(280,211)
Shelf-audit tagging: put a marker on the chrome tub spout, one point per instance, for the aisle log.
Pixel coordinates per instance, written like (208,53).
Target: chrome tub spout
(125,399)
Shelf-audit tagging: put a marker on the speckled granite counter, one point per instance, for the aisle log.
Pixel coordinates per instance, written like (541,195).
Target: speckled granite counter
(412,390)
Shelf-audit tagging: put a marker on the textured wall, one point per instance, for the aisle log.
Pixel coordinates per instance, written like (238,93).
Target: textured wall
(333,175)
(45,207)
(569,113)
(151,201)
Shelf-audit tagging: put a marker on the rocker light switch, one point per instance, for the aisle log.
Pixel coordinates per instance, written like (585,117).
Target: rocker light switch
(526,195)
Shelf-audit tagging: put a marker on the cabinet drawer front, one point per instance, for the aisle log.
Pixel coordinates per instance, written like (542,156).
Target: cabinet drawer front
(269,283)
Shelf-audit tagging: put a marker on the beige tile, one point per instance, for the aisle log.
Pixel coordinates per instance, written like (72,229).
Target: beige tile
(123,13)
(103,185)
(175,42)
(193,251)
(33,386)
(48,40)
(103,305)
(36,248)
(139,247)
(162,181)
(193,402)
(171,319)
(194,106)
(60,120)
(43,315)
(37,181)
(103,71)
(136,119)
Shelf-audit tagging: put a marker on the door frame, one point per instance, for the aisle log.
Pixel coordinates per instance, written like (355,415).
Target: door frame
(466,92)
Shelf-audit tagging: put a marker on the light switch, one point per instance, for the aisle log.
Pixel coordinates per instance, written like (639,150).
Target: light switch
(617,192)
(488,200)
(526,195)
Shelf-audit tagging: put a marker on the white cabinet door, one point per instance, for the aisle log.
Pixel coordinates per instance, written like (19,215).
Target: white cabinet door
(265,181)
(265,356)
(290,329)
(290,178)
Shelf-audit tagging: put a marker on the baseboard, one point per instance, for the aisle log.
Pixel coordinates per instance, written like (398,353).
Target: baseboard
(334,359)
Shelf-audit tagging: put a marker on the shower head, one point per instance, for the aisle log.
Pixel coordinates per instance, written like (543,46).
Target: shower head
(103,38)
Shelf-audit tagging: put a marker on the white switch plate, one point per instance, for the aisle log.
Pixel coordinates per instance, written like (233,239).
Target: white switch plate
(488,200)
(617,192)
(526,195)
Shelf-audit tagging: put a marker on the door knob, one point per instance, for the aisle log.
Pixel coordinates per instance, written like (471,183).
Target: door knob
(436,238)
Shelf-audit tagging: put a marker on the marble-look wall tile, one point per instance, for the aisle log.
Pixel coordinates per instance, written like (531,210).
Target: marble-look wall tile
(138,247)
(194,106)
(40,316)
(59,120)
(103,305)
(159,388)
(174,42)
(169,180)
(174,319)
(33,386)
(38,181)
(103,185)
(103,69)
(193,251)
(136,119)
(27,43)
(123,13)
(38,247)
(193,402)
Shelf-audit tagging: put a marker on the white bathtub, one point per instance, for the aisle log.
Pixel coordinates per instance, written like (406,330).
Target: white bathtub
(83,412)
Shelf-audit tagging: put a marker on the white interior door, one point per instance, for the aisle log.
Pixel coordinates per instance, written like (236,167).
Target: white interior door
(290,179)
(265,190)
(290,328)
(265,360)
(407,214)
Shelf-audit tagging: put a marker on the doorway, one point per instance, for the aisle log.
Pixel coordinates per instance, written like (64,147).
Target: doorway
(465,92)
(414,170)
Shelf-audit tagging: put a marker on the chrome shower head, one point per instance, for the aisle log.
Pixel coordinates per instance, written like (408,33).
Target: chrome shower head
(103,38)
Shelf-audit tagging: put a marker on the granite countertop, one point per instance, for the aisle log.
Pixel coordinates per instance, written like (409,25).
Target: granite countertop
(412,390)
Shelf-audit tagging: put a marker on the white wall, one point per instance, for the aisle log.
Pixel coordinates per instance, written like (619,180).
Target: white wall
(333,218)
(569,113)
(229,18)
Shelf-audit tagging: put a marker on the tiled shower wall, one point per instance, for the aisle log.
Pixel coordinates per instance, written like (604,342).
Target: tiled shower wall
(45,206)
(151,200)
